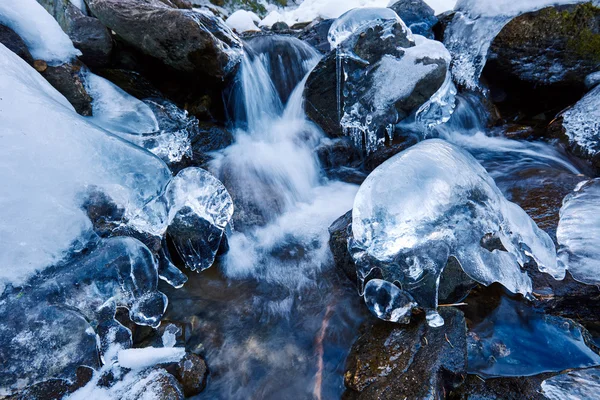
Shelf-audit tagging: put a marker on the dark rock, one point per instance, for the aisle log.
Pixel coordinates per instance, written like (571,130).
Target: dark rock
(417,15)
(511,388)
(315,34)
(401,142)
(391,361)
(185,40)
(280,27)
(130,81)
(321,96)
(211,137)
(87,33)
(338,243)
(341,160)
(165,386)
(191,372)
(541,59)
(439,29)
(14,43)
(66,78)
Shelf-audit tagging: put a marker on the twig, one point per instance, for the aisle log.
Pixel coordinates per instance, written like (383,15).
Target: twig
(321,351)
(448,340)
(453,305)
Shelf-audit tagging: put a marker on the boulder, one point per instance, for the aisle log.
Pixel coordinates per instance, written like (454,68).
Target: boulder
(67,79)
(368,84)
(417,15)
(14,43)
(541,59)
(315,34)
(88,34)
(191,372)
(391,361)
(186,40)
(509,388)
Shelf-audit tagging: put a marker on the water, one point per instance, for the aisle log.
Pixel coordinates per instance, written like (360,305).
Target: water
(273,319)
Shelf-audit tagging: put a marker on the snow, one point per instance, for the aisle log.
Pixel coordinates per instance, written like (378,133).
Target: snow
(474,27)
(578,232)
(54,156)
(39,30)
(149,356)
(573,385)
(440,6)
(243,21)
(582,123)
(414,211)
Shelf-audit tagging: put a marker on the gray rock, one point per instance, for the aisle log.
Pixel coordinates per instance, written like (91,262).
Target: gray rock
(14,43)
(87,33)
(185,40)
(417,15)
(67,80)
(315,34)
(391,361)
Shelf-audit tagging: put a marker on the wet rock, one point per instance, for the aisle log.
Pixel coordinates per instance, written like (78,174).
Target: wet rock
(338,243)
(439,29)
(211,137)
(14,43)
(541,59)
(192,373)
(130,81)
(164,386)
(391,361)
(185,40)
(512,388)
(341,160)
(87,33)
(55,389)
(67,80)
(400,143)
(280,27)
(315,34)
(417,15)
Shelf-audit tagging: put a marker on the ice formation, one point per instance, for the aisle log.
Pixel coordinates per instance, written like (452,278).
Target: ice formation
(53,151)
(136,121)
(582,124)
(578,232)
(573,385)
(39,30)
(149,356)
(378,88)
(414,211)
(243,21)
(474,27)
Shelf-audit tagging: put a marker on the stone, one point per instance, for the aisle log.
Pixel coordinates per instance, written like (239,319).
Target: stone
(417,15)
(315,34)
(66,78)
(191,372)
(14,43)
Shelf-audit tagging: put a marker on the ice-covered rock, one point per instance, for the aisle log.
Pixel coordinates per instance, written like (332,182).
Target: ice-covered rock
(415,211)
(474,27)
(243,21)
(578,232)
(581,125)
(573,385)
(205,44)
(377,75)
(42,34)
(149,356)
(417,15)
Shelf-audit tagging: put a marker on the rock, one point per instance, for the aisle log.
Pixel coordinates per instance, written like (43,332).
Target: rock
(66,78)
(391,361)
(541,59)
(315,34)
(280,27)
(417,15)
(40,65)
(592,80)
(186,40)
(338,243)
(87,33)
(191,372)
(439,29)
(355,89)
(14,43)
(510,388)
(130,81)
(341,160)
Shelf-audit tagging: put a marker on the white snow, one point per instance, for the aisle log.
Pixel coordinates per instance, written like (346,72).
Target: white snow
(39,30)
(243,21)
(149,356)
(578,232)
(582,123)
(49,156)
(415,210)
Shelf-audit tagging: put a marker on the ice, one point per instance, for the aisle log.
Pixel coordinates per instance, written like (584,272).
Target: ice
(39,30)
(573,385)
(243,21)
(474,27)
(388,302)
(434,201)
(135,120)
(149,356)
(578,232)
(52,157)
(80,4)
(169,337)
(194,210)
(582,124)
(358,19)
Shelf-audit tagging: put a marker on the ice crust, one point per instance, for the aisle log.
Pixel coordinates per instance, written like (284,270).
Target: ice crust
(39,30)
(360,18)
(573,385)
(415,211)
(582,124)
(149,356)
(578,232)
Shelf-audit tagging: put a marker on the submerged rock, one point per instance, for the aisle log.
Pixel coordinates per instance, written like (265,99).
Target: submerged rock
(88,34)
(376,75)
(416,361)
(417,15)
(189,41)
